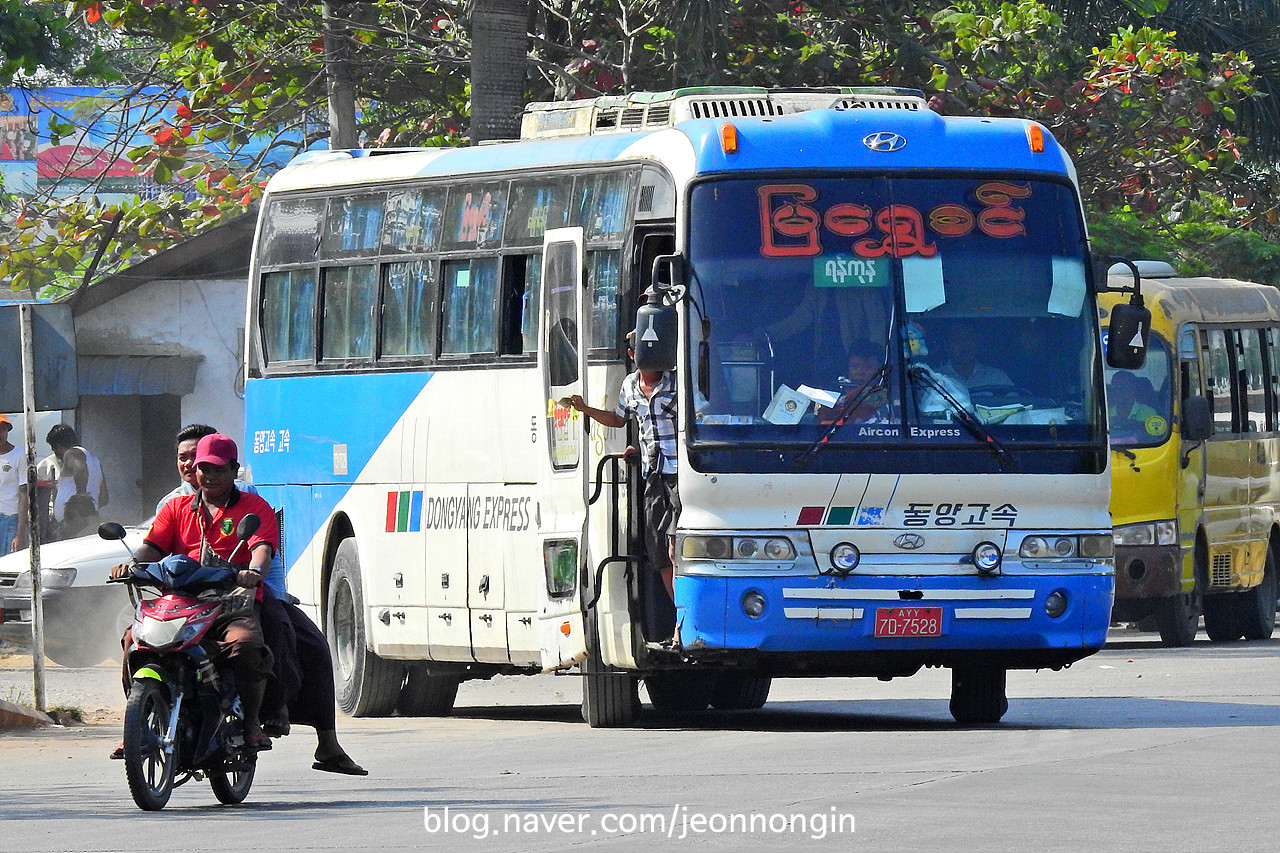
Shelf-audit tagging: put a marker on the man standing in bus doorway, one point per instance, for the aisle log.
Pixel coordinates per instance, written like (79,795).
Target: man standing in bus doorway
(13,492)
(649,397)
(81,490)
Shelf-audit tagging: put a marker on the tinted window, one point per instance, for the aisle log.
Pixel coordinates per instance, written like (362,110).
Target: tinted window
(534,209)
(601,204)
(349,296)
(353,226)
(475,216)
(603,277)
(291,231)
(409,309)
(414,220)
(1255,390)
(469,300)
(289,315)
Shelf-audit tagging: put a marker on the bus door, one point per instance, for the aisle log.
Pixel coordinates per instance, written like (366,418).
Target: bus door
(1227,465)
(562,506)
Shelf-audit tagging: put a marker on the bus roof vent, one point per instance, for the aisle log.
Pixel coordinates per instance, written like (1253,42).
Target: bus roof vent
(654,110)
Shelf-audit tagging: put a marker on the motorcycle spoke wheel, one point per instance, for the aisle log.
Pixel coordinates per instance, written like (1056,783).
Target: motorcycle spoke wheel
(149,767)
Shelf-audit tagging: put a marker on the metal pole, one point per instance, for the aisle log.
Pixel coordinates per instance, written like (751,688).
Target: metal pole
(26,312)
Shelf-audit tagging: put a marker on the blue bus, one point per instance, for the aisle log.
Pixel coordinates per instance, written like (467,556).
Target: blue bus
(892,431)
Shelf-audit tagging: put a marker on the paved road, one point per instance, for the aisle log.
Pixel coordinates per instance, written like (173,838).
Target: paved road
(1138,748)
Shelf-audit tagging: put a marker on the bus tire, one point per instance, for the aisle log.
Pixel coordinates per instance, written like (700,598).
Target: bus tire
(608,694)
(427,695)
(741,692)
(1258,605)
(1178,617)
(978,695)
(365,684)
(1222,617)
(680,691)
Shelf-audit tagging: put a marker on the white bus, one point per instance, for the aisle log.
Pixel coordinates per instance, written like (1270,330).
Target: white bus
(416,317)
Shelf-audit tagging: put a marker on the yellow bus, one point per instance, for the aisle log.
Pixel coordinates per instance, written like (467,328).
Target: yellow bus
(1195,444)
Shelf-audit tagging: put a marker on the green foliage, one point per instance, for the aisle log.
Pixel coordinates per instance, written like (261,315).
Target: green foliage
(1195,248)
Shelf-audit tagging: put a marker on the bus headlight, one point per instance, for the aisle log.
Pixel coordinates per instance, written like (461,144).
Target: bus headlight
(1147,533)
(845,558)
(986,557)
(1047,547)
(774,549)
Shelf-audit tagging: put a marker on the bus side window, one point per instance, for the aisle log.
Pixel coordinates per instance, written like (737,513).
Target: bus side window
(604,275)
(409,308)
(519,315)
(347,325)
(288,315)
(1253,382)
(1271,353)
(1219,387)
(468,306)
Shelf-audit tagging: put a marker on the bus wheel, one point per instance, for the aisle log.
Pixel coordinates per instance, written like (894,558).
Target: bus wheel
(741,692)
(1222,618)
(1178,618)
(609,695)
(977,695)
(366,685)
(427,695)
(680,692)
(1258,605)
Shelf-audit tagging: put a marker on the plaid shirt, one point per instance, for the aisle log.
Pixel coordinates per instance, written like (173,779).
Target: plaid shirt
(657,420)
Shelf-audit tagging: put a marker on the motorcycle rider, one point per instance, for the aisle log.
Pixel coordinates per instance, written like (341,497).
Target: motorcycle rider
(202,526)
(303,668)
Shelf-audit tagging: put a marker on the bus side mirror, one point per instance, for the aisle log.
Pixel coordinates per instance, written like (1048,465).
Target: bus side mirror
(668,272)
(1128,332)
(654,345)
(1197,419)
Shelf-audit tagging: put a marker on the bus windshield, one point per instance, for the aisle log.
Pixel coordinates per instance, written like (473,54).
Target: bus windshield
(913,311)
(1139,402)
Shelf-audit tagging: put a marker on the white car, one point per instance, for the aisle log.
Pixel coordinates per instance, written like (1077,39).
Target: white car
(84,616)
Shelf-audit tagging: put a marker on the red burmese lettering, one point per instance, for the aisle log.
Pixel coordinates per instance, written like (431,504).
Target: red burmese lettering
(848,220)
(783,214)
(951,220)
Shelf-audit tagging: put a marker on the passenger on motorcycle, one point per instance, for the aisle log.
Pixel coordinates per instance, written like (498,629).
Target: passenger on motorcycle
(202,526)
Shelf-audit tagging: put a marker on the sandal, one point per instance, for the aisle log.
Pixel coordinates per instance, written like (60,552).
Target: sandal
(260,743)
(118,753)
(340,764)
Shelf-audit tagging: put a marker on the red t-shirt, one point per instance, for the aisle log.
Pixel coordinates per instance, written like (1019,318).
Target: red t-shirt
(177,527)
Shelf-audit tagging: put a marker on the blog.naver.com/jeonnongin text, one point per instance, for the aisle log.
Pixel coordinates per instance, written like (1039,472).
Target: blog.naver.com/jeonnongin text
(678,823)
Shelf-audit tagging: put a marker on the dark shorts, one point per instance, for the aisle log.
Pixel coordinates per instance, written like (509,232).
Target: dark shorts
(661,515)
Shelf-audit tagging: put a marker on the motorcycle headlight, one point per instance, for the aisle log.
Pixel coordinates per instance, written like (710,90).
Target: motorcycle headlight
(158,633)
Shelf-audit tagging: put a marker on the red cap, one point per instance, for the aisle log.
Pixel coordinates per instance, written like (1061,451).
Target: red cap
(216,449)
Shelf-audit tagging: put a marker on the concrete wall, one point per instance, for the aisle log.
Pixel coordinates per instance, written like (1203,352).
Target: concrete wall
(162,318)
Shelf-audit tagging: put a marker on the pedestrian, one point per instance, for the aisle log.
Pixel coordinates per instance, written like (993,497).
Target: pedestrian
(79,477)
(13,492)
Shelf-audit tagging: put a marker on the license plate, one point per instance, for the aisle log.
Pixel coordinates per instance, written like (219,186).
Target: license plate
(909,622)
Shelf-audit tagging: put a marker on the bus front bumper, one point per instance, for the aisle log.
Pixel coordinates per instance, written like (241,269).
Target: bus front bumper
(831,624)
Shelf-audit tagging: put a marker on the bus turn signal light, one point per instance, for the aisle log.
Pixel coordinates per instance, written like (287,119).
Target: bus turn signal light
(1035,138)
(729,138)
(565,629)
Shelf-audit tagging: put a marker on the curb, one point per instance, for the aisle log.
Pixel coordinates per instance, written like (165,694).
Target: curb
(19,716)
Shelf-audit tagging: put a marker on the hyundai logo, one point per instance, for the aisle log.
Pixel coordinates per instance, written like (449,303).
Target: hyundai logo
(884,141)
(909,541)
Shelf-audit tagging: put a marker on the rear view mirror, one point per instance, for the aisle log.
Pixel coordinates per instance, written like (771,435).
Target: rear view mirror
(110,530)
(654,345)
(1128,332)
(248,526)
(1197,419)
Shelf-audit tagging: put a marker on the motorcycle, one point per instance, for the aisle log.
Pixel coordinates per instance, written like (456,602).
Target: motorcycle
(183,719)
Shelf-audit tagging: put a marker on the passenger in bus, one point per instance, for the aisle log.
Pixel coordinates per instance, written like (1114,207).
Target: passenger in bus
(962,364)
(649,398)
(863,366)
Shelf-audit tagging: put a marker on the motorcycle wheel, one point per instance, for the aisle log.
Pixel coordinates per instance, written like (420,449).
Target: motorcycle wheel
(232,786)
(148,768)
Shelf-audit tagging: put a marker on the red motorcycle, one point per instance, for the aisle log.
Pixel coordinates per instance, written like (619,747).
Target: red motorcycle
(183,720)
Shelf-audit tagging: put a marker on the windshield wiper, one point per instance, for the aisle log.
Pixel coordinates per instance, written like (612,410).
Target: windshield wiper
(921,374)
(844,409)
